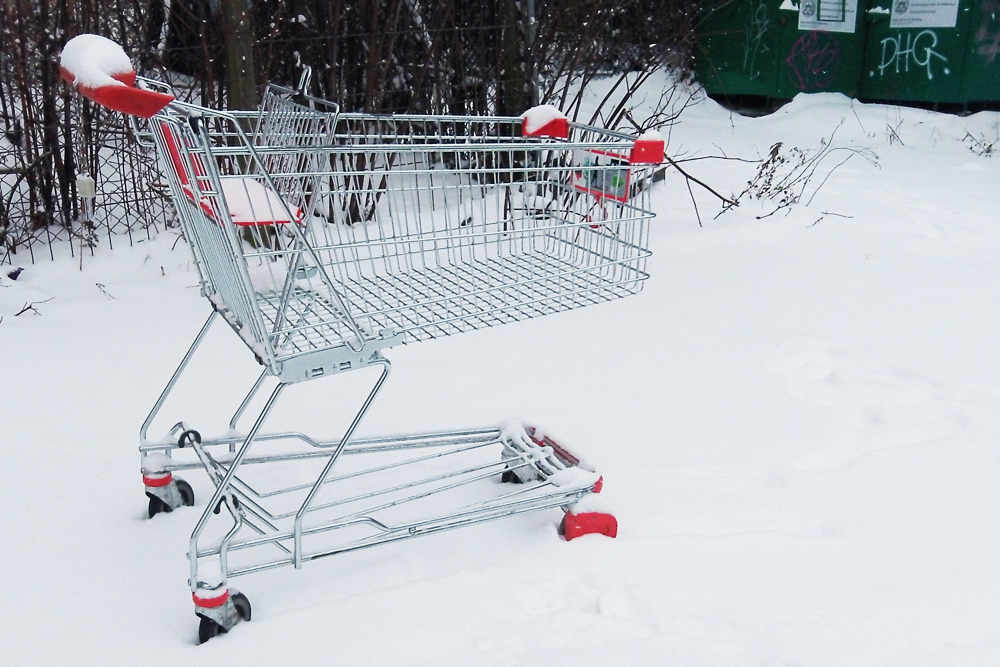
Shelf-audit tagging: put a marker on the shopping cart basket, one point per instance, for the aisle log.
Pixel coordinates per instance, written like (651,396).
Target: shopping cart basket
(323,238)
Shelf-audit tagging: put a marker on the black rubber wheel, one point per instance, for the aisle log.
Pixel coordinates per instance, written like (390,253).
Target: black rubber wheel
(510,477)
(156,506)
(562,527)
(187,493)
(208,629)
(242,605)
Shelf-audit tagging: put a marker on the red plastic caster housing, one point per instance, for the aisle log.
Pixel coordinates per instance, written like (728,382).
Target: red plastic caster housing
(589,523)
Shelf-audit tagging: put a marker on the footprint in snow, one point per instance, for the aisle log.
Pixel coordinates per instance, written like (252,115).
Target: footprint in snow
(880,406)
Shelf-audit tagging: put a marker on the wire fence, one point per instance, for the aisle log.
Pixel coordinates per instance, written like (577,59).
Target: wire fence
(51,136)
(423,56)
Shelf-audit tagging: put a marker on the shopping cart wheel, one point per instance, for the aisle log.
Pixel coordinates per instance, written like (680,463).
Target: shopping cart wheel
(157,505)
(187,493)
(209,628)
(510,477)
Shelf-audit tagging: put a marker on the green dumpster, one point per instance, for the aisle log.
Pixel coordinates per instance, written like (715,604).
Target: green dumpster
(930,51)
(756,47)
(739,46)
(981,78)
(949,57)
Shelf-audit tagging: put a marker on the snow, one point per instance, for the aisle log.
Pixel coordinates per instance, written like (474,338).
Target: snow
(93,60)
(155,462)
(650,135)
(574,477)
(593,502)
(797,423)
(538,117)
(514,429)
(251,202)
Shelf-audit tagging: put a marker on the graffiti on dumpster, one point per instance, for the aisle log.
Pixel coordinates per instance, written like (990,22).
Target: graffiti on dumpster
(988,33)
(813,61)
(919,49)
(753,39)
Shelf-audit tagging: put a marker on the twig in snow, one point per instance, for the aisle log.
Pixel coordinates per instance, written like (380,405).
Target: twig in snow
(785,175)
(104,291)
(673,163)
(894,133)
(858,118)
(694,203)
(726,158)
(30,307)
(979,146)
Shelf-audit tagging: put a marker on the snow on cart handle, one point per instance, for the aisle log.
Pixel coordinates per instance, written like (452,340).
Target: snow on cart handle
(102,73)
(547,121)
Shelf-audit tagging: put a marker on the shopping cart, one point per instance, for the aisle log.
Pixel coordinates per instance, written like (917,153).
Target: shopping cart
(323,238)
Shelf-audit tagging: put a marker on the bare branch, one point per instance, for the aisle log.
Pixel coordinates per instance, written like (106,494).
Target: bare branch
(689,177)
(30,307)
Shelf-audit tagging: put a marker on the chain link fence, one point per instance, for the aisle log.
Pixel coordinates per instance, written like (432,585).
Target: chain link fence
(425,56)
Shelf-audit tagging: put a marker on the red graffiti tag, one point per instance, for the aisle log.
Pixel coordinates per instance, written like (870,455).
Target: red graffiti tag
(813,60)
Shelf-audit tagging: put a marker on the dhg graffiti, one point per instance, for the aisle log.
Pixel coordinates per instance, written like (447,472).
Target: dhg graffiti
(899,51)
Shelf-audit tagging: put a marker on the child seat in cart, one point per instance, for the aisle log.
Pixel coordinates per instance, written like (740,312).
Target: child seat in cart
(321,239)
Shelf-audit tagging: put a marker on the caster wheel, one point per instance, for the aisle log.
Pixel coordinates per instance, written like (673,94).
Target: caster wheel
(208,629)
(510,477)
(242,605)
(187,493)
(156,505)
(562,527)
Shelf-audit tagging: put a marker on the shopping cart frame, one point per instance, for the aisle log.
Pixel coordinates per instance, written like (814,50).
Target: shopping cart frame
(547,474)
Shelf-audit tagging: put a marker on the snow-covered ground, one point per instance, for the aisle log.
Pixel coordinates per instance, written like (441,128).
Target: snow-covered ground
(798,423)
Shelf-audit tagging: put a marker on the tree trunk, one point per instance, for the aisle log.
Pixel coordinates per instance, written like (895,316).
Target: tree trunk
(241,72)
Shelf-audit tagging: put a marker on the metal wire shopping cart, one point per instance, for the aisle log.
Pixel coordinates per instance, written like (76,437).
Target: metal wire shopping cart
(323,238)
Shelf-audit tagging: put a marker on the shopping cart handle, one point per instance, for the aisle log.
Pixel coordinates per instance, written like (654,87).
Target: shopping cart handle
(102,73)
(545,121)
(127,99)
(649,148)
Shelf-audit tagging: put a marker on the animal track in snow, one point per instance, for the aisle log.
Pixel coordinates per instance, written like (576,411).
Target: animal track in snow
(880,406)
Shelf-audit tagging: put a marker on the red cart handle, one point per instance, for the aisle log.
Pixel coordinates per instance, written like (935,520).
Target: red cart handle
(101,72)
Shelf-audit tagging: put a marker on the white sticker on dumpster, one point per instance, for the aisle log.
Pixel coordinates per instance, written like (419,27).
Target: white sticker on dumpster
(924,14)
(828,15)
